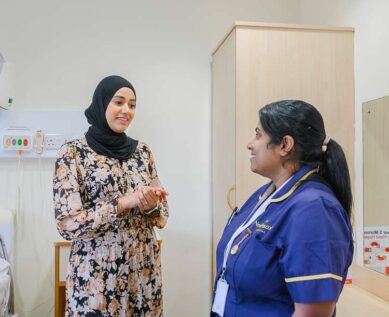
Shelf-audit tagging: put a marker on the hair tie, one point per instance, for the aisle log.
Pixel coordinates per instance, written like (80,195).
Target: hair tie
(325,143)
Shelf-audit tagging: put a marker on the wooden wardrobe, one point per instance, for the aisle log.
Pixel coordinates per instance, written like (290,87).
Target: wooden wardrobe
(258,63)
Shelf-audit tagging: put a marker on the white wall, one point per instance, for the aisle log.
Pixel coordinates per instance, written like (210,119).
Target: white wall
(60,50)
(370,19)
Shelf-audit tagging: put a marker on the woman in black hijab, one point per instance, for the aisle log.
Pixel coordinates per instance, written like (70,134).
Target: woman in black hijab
(108,198)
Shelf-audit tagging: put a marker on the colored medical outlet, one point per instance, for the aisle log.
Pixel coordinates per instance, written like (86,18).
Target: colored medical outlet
(17,142)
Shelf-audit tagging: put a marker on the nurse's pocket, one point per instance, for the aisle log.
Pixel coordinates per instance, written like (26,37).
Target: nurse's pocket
(257,272)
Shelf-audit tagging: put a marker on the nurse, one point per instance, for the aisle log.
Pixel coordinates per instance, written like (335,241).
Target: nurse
(286,251)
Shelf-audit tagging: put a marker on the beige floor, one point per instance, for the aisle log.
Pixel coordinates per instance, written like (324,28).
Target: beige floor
(356,302)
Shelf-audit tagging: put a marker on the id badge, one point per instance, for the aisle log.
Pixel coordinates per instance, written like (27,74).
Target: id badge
(219,302)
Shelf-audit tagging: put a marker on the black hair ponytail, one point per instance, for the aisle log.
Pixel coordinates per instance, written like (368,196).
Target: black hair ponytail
(334,170)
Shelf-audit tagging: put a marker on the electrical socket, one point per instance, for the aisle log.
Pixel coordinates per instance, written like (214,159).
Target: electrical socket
(54,141)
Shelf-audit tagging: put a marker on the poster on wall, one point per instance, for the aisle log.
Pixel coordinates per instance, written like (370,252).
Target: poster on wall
(376,249)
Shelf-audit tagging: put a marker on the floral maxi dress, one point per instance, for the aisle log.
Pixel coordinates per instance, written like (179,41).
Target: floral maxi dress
(114,266)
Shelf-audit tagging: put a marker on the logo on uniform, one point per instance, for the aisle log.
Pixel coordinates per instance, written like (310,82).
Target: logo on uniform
(262,227)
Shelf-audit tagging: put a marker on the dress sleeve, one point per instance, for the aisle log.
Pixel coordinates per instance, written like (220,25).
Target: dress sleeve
(158,218)
(73,221)
(317,252)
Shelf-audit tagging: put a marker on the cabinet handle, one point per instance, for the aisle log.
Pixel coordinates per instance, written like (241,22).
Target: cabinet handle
(229,203)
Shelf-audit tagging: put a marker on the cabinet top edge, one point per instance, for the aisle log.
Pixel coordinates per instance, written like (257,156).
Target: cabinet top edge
(367,103)
(264,25)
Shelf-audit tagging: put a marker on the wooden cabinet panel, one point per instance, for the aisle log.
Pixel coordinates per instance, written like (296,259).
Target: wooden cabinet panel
(223,136)
(275,64)
(375,161)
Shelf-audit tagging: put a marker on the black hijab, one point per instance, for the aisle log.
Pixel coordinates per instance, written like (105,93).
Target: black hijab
(100,137)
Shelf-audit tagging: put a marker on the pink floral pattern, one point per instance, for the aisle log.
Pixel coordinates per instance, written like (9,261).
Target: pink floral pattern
(114,267)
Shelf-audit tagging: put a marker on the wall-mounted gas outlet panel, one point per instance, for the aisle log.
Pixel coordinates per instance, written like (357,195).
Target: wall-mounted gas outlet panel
(14,141)
(39,133)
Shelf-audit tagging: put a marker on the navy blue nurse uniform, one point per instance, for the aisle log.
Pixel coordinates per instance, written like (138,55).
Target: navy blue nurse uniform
(299,250)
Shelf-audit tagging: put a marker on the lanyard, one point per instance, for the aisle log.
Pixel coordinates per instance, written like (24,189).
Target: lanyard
(258,209)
